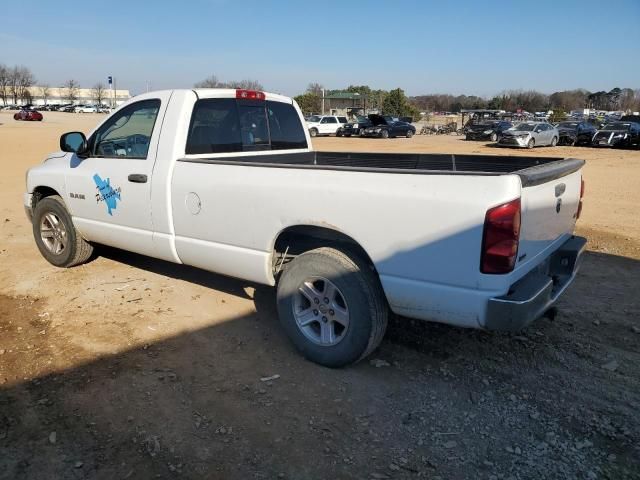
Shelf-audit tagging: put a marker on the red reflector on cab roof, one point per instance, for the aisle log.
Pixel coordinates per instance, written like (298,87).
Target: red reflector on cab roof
(249,94)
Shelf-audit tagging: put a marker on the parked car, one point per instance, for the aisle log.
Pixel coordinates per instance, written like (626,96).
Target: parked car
(354,128)
(618,134)
(388,127)
(630,118)
(529,135)
(86,109)
(325,124)
(575,133)
(28,115)
(487,130)
(445,244)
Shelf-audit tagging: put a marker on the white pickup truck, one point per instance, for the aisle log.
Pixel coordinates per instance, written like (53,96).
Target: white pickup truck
(226,180)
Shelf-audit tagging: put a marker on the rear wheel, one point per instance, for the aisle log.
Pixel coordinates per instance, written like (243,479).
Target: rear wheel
(56,236)
(332,306)
(531,143)
(313,132)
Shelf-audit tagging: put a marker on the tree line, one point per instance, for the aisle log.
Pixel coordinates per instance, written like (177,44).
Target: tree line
(623,99)
(391,102)
(212,81)
(15,83)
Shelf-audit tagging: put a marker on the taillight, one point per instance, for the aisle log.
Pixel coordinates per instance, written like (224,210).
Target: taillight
(500,238)
(581,195)
(249,94)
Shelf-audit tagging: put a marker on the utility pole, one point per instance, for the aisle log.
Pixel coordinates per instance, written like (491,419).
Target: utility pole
(322,101)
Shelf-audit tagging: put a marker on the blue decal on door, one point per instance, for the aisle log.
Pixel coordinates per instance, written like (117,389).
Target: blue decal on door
(106,193)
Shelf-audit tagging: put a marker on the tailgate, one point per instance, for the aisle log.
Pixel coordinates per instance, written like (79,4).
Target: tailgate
(549,210)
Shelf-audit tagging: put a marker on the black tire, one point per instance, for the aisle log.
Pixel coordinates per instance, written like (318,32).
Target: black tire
(494,137)
(358,283)
(313,132)
(554,141)
(531,143)
(338,133)
(409,133)
(76,250)
(384,134)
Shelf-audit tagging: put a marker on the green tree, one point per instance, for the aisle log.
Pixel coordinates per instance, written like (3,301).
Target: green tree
(396,104)
(309,103)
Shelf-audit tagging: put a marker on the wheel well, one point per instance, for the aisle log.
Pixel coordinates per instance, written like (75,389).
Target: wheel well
(295,240)
(41,192)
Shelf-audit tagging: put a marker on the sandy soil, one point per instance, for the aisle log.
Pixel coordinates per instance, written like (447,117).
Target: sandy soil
(129,367)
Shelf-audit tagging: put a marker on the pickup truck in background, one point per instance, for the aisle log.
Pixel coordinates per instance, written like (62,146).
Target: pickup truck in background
(225,180)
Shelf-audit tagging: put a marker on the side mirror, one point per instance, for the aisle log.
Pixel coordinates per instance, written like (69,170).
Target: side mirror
(74,142)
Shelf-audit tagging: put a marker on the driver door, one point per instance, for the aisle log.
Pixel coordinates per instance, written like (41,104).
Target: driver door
(109,192)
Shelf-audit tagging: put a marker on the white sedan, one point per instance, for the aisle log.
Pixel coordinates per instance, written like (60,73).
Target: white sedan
(86,109)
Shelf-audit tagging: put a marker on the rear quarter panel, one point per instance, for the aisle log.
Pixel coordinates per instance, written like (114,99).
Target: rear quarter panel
(417,229)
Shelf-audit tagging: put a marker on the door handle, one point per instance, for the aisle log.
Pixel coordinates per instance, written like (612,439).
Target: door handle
(137,178)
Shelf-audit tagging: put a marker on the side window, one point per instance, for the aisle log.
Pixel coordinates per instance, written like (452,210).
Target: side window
(285,126)
(325,120)
(342,119)
(128,133)
(331,120)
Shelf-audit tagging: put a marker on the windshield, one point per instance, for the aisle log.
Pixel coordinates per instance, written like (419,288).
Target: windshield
(571,125)
(617,126)
(361,119)
(524,127)
(313,118)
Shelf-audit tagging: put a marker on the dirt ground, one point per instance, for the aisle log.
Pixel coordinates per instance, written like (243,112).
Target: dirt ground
(129,367)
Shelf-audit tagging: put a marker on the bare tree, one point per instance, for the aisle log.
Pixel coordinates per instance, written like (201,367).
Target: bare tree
(14,84)
(44,92)
(98,93)
(213,82)
(72,88)
(4,82)
(25,82)
(247,84)
(209,82)
(315,88)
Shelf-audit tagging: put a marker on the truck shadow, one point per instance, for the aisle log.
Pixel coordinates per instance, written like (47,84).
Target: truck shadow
(198,405)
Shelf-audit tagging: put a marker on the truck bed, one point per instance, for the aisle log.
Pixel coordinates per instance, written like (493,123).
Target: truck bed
(531,170)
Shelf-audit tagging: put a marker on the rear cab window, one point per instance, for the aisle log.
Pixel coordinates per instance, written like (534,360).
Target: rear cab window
(226,125)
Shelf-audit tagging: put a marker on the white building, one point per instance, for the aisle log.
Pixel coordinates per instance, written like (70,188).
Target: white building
(60,95)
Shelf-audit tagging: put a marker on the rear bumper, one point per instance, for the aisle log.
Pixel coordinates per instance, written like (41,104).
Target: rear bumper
(531,296)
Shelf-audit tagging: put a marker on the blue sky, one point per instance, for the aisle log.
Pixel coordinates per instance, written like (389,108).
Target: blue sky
(466,46)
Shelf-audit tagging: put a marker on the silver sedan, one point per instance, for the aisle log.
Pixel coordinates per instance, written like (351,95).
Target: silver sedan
(529,135)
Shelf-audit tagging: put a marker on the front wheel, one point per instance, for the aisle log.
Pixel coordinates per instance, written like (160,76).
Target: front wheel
(409,133)
(56,236)
(531,143)
(494,137)
(332,307)
(338,133)
(384,134)
(313,132)
(554,141)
